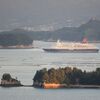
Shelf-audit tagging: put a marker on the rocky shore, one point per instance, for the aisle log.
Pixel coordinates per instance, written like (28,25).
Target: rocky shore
(55,86)
(8,81)
(59,86)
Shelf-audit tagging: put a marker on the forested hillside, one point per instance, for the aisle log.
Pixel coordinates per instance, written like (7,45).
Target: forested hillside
(90,30)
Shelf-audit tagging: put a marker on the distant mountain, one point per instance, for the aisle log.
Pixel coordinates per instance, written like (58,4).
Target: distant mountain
(91,30)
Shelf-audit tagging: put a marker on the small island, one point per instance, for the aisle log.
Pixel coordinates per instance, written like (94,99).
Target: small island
(66,78)
(8,81)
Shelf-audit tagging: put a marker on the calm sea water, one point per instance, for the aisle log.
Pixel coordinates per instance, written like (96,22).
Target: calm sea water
(23,63)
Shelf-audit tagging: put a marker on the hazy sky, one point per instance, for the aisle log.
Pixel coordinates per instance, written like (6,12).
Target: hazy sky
(17,13)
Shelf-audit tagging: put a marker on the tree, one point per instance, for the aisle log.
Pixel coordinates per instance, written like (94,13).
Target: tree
(6,76)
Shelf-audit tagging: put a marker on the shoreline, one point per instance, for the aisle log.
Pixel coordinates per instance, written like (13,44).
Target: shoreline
(58,87)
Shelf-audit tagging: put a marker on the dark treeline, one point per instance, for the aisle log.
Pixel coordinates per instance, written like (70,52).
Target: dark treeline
(15,39)
(68,76)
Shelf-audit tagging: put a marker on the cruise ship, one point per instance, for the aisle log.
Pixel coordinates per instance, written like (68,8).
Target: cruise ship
(73,47)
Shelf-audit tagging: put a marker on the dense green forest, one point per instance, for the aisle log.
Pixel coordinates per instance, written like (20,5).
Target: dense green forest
(68,76)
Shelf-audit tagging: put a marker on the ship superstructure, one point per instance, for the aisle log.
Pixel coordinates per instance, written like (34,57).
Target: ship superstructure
(82,47)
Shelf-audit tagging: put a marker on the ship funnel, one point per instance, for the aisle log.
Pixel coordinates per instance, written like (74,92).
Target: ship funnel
(85,40)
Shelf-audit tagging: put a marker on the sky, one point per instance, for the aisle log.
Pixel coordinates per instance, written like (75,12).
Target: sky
(46,14)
